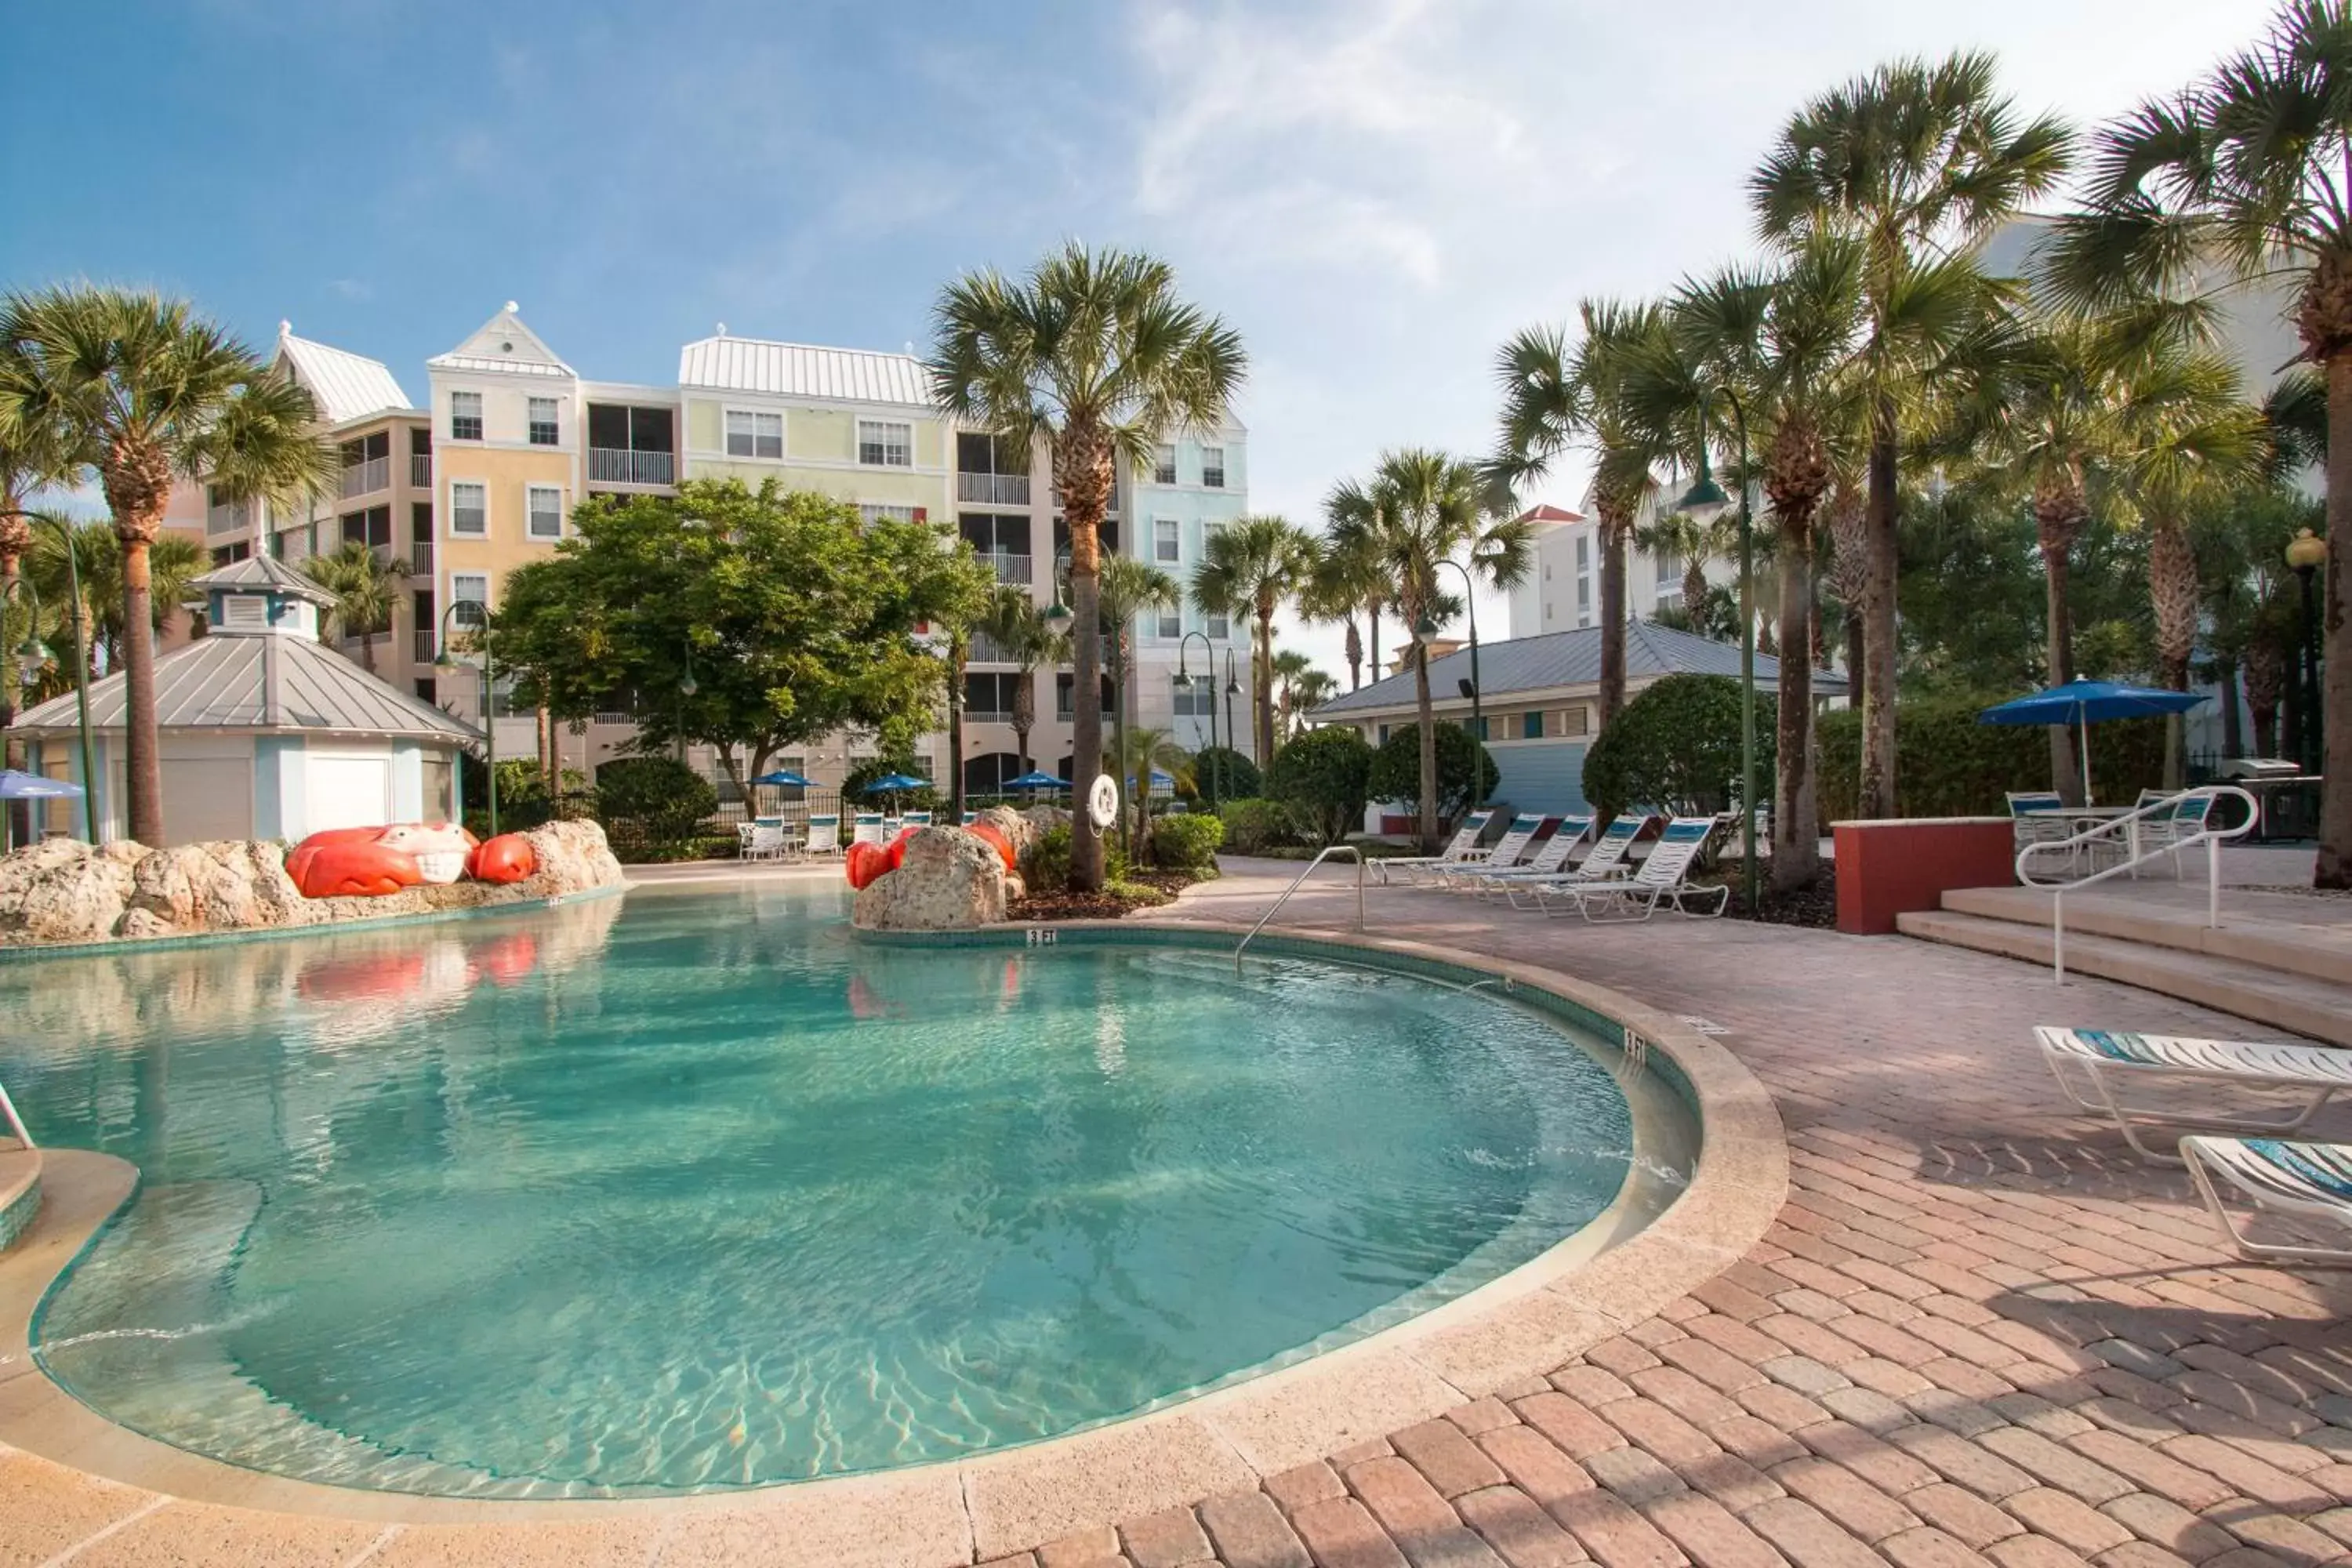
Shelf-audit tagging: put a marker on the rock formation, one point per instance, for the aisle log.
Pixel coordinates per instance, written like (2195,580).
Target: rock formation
(947,880)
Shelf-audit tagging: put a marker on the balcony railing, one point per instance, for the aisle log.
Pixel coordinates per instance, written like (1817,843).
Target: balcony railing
(615,718)
(425,646)
(228,517)
(994,490)
(1010,567)
(988,715)
(420,470)
(420,558)
(365,479)
(986,649)
(626,465)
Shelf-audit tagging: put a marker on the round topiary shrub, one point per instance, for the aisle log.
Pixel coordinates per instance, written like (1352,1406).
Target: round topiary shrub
(1460,761)
(1186,841)
(1676,747)
(1220,774)
(1255,826)
(1321,777)
(653,808)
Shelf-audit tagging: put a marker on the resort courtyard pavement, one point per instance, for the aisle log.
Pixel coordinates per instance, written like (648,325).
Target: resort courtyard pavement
(1979,1331)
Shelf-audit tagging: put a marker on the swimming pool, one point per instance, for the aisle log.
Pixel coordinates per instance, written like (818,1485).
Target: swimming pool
(702,1191)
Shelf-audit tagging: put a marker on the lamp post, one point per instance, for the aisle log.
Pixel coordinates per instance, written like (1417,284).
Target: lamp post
(445,659)
(1705,501)
(1232,690)
(31,658)
(82,667)
(2306,554)
(1424,630)
(1184,683)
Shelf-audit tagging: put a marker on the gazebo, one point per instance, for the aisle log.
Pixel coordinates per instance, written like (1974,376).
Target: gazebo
(265,733)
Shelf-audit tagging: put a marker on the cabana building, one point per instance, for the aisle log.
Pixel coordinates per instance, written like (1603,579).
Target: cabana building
(265,733)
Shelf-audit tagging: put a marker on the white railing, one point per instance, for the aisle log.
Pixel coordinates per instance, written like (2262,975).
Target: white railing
(1010,567)
(228,517)
(2123,833)
(1322,855)
(994,490)
(988,715)
(365,479)
(15,1122)
(420,558)
(626,465)
(425,646)
(986,649)
(615,718)
(420,470)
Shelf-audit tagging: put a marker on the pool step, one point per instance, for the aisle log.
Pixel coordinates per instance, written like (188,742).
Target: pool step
(2316,950)
(20,1192)
(2299,1003)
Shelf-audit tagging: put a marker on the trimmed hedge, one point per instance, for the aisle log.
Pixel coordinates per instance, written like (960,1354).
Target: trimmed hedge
(1220,774)
(1948,765)
(1186,841)
(653,808)
(1321,777)
(1677,747)
(1252,826)
(1396,770)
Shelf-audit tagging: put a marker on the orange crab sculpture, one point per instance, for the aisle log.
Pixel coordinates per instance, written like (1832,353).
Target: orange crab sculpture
(371,862)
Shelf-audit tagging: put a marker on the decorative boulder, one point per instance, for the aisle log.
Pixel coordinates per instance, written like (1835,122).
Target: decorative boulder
(1019,829)
(232,885)
(948,880)
(569,858)
(62,889)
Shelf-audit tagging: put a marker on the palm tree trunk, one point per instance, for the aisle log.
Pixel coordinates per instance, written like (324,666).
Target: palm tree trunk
(1877,791)
(367,659)
(2233,734)
(1796,806)
(2065,766)
(142,765)
(1428,738)
(14,753)
(1355,655)
(1372,618)
(1085,485)
(955,728)
(2334,867)
(1264,683)
(1612,531)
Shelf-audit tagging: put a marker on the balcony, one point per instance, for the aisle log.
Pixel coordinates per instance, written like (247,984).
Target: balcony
(420,558)
(994,490)
(420,470)
(423,646)
(1010,567)
(366,479)
(628,466)
(227,517)
(987,716)
(985,649)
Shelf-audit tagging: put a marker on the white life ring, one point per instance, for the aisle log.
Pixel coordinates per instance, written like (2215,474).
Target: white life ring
(1102,801)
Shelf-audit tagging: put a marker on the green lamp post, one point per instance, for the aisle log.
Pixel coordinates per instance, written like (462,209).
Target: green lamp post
(1425,630)
(1705,501)
(1184,683)
(2306,555)
(447,659)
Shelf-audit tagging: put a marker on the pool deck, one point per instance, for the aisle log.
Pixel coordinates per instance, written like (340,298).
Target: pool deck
(1978,1330)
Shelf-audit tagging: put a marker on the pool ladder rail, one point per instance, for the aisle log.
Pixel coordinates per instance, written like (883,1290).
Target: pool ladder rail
(15,1123)
(1324,854)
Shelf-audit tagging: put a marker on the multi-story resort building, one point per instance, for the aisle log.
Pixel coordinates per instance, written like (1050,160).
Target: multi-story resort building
(483,479)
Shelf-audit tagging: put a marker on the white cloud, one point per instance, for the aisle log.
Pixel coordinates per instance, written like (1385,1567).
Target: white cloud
(357,289)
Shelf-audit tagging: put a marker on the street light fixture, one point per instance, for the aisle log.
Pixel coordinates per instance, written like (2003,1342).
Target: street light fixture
(1232,690)
(1424,630)
(1705,501)
(447,659)
(33,656)
(2306,555)
(1184,683)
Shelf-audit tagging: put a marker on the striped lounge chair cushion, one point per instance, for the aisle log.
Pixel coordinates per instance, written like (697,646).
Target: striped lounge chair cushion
(2297,1172)
(2220,1058)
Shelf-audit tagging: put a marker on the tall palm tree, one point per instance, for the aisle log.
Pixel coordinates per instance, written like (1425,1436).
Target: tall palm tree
(1094,355)
(1919,163)
(1249,568)
(147,392)
(1422,508)
(33,456)
(1308,690)
(1694,543)
(173,564)
(1555,397)
(1128,588)
(366,588)
(1348,582)
(1018,626)
(2247,168)
(1289,667)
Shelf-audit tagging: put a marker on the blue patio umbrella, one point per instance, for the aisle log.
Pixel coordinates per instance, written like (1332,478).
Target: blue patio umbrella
(2083,703)
(1033,779)
(785,778)
(17,784)
(891,784)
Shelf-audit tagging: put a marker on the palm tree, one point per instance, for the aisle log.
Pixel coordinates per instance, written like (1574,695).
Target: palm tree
(1346,583)
(1695,543)
(1919,162)
(1308,690)
(1018,626)
(366,587)
(1249,568)
(1128,588)
(173,564)
(1422,508)
(1093,355)
(1554,398)
(1289,667)
(2248,167)
(147,392)
(32,459)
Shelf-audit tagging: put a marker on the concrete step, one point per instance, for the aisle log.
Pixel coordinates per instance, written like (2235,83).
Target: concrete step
(2312,948)
(2297,1003)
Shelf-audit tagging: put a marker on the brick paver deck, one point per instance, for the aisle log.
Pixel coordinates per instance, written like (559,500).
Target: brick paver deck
(1980,1331)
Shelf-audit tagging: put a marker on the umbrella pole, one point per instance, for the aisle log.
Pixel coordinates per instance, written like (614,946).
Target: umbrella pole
(2082,723)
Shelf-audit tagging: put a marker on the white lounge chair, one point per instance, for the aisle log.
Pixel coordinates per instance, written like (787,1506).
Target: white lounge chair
(2102,1060)
(824,836)
(1465,840)
(2296,1181)
(767,843)
(1508,850)
(1606,862)
(1548,861)
(1663,879)
(869,828)
(915,819)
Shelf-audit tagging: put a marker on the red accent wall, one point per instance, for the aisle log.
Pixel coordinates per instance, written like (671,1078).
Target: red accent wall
(1886,867)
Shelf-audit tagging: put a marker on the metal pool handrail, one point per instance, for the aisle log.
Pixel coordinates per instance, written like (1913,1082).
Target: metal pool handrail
(1320,857)
(15,1122)
(2210,837)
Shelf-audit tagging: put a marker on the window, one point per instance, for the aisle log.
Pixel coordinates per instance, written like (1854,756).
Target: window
(1163,465)
(1171,623)
(988,696)
(1215,628)
(868,512)
(372,527)
(1196,701)
(1546,609)
(546,512)
(750,435)
(1584,593)
(1669,569)
(470,588)
(1566,721)
(1584,554)
(245,610)
(469,507)
(884,442)
(1163,540)
(1531,725)
(542,422)
(1547,571)
(465,416)
(1213,467)
(426,691)
(420,522)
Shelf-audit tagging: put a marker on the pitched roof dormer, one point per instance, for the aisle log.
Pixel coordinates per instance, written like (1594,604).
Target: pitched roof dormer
(343,385)
(260,596)
(503,344)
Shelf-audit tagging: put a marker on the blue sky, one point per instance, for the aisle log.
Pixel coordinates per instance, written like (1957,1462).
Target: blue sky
(1374,192)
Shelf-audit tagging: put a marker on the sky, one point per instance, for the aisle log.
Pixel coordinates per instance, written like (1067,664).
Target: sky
(1374,192)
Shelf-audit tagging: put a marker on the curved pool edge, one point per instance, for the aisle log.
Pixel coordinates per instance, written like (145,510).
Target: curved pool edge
(1513,1329)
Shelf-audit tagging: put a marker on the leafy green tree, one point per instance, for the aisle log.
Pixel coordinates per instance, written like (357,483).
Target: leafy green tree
(1323,776)
(1093,355)
(1249,568)
(1348,581)
(1220,773)
(794,617)
(1917,161)
(142,391)
(1421,509)
(1676,748)
(366,588)
(1465,771)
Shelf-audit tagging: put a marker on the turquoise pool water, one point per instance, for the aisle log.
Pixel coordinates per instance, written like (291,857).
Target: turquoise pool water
(698,1190)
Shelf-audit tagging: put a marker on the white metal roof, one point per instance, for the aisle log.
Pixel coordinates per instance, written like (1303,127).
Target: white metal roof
(504,346)
(798,370)
(273,683)
(344,384)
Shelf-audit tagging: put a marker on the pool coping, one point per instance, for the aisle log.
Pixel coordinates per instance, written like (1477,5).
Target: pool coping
(1519,1326)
